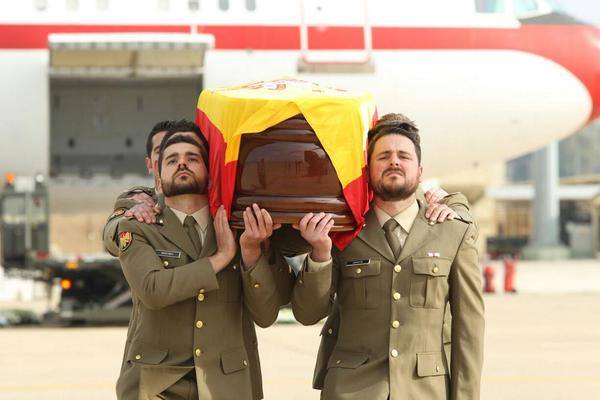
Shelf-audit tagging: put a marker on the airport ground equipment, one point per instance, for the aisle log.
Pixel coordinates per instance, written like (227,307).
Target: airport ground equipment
(92,287)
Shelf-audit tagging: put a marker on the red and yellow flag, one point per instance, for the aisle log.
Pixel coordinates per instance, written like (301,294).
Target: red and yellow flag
(340,119)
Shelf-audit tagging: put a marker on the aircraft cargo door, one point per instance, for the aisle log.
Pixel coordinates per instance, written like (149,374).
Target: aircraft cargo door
(100,126)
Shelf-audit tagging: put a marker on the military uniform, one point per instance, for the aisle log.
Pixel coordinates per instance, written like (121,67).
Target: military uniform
(187,320)
(385,334)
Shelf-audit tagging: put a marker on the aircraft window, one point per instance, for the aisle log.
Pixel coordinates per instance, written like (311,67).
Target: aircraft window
(489,6)
(72,5)
(224,5)
(251,5)
(40,5)
(194,5)
(102,4)
(524,6)
(163,5)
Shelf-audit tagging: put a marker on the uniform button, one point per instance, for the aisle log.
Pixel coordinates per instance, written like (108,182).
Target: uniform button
(199,324)
(397,296)
(394,353)
(397,268)
(338,362)
(160,221)
(245,363)
(200,297)
(358,270)
(395,324)
(197,352)
(166,263)
(300,281)
(257,285)
(330,331)
(234,267)
(435,270)
(437,368)
(201,290)
(138,356)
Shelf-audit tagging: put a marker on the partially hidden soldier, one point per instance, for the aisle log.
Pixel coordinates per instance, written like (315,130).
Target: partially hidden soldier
(193,293)
(387,295)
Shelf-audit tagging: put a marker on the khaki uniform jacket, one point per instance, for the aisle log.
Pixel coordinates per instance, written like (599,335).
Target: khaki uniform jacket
(186,317)
(385,331)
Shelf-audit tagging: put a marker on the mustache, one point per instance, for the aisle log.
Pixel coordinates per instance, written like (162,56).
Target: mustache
(393,169)
(182,168)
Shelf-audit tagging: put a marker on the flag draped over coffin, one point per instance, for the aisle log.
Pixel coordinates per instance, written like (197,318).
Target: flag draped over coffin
(340,119)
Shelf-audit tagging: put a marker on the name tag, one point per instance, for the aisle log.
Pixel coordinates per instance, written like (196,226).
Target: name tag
(168,253)
(357,262)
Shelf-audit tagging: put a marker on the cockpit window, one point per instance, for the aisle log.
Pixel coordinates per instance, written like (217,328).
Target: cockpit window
(489,6)
(224,5)
(524,7)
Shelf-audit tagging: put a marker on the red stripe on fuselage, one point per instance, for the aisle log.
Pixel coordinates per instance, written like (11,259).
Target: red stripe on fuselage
(572,46)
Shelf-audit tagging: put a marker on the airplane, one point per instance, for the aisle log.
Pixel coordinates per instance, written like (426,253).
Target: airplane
(82,81)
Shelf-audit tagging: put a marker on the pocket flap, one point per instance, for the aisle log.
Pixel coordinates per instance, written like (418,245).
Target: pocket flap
(430,364)
(362,270)
(434,266)
(233,360)
(347,359)
(146,354)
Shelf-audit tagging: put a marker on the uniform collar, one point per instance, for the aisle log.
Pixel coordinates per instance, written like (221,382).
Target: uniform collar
(202,216)
(405,218)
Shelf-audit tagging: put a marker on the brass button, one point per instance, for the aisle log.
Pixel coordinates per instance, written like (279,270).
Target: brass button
(397,268)
(358,270)
(330,331)
(234,267)
(201,290)
(200,297)
(197,352)
(138,356)
(199,324)
(300,281)
(245,363)
(435,269)
(338,362)
(395,324)
(394,353)
(257,285)
(437,368)
(397,296)
(166,263)
(160,221)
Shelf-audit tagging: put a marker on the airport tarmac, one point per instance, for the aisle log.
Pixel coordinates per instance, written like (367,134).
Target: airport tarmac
(538,346)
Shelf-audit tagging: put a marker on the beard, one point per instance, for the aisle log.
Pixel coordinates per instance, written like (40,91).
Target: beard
(395,191)
(192,185)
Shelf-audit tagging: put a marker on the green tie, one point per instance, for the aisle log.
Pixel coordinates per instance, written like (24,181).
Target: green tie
(190,227)
(393,240)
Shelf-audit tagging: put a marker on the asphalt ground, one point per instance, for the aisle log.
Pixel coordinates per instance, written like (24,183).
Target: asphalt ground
(538,346)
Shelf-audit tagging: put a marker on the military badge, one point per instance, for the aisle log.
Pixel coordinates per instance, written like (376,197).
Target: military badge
(117,213)
(125,240)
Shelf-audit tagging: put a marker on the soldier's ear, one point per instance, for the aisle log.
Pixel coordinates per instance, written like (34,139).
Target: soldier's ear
(420,173)
(158,184)
(149,165)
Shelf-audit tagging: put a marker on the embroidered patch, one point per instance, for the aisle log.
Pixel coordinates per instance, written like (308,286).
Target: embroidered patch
(117,213)
(125,240)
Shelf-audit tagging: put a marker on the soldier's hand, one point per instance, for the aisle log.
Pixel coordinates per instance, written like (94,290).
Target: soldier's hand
(314,228)
(435,195)
(143,213)
(143,198)
(439,213)
(226,245)
(258,226)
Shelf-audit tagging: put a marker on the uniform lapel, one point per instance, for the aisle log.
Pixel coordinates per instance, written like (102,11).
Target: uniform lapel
(373,235)
(173,230)
(420,233)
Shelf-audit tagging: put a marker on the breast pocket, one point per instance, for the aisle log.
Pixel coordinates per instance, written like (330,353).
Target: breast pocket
(429,282)
(361,285)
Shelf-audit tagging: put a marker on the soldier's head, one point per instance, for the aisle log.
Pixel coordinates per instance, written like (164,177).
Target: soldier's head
(181,166)
(155,137)
(394,157)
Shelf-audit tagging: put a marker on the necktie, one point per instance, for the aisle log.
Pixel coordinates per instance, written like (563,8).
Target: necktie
(190,227)
(393,240)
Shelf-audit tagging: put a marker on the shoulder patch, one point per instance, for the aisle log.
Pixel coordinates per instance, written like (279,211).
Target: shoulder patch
(117,213)
(125,239)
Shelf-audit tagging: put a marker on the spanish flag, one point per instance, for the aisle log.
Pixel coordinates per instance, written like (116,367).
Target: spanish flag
(340,119)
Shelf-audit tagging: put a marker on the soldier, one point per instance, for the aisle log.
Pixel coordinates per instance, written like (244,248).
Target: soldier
(190,289)
(387,292)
